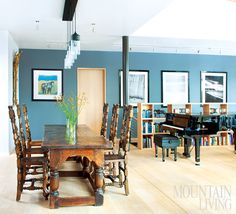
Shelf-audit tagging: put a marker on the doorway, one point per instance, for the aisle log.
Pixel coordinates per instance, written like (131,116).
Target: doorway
(92,82)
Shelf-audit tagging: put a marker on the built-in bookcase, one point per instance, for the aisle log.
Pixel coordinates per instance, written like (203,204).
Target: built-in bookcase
(149,117)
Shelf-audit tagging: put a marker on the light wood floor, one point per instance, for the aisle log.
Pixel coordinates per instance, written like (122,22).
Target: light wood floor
(155,187)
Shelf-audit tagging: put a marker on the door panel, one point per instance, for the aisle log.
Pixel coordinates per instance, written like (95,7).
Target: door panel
(92,83)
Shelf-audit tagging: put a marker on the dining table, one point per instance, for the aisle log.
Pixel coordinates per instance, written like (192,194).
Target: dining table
(87,145)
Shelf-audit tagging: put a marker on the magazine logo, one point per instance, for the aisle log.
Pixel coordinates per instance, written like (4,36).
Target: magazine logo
(209,197)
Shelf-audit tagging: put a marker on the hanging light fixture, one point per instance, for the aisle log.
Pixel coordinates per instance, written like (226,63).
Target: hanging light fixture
(73,45)
(76,40)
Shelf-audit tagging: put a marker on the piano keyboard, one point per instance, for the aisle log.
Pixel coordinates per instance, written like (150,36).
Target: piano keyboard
(173,127)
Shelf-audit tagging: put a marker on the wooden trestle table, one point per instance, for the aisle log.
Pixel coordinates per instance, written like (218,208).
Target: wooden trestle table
(87,144)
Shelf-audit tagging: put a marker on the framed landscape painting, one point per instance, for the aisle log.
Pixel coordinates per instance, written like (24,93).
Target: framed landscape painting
(214,87)
(138,87)
(175,87)
(47,84)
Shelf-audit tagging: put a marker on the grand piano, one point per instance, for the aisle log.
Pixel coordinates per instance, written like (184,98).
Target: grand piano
(192,127)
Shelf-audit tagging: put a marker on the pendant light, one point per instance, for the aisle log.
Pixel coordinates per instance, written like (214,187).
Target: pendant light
(73,45)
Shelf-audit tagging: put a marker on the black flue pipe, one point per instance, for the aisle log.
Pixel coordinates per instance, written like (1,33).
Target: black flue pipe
(125,68)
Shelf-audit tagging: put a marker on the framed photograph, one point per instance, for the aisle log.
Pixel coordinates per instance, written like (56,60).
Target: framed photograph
(213,87)
(47,84)
(174,87)
(138,87)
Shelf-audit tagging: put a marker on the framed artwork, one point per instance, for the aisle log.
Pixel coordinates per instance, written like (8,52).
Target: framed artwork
(213,87)
(174,87)
(47,84)
(138,87)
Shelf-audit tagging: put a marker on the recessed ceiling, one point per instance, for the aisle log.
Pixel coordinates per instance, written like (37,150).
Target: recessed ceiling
(177,26)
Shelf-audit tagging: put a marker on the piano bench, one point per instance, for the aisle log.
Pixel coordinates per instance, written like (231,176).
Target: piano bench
(166,141)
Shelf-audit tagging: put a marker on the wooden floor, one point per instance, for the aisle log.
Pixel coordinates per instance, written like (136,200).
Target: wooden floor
(155,186)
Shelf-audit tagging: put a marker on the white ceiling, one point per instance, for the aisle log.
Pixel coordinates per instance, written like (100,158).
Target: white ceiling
(173,26)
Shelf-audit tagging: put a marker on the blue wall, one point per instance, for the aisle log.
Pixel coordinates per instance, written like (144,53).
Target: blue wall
(41,113)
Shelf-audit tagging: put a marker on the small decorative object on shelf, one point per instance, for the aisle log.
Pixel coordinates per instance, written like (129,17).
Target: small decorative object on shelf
(72,106)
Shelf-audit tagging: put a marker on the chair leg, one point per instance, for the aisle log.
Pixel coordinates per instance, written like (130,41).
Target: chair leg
(126,184)
(104,185)
(163,154)
(167,152)
(120,175)
(175,154)
(156,150)
(19,184)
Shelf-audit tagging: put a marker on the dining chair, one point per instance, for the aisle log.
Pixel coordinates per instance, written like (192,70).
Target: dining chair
(87,165)
(26,179)
(28,149)
(103,131)
(121,179)
(30,142)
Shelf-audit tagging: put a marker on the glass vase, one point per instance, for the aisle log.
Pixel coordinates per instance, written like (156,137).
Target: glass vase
(70,131)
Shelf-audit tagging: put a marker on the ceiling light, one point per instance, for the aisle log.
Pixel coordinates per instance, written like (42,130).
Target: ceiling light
(73,46)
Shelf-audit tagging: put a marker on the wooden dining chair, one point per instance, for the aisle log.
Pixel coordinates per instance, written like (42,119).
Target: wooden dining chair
(103,131)
(121,179)
(30,142)
(28,149)
(26,179)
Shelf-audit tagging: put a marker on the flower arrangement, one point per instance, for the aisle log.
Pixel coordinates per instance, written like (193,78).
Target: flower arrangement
(72,106)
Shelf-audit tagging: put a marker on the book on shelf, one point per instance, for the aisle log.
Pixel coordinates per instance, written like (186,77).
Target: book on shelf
(156,127)
(217,140)
(147,128)
(147,113)
(147,142)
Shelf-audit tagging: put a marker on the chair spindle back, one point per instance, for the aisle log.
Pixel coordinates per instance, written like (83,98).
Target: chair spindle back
(16,137)
(22,134)
(104,120)
(125,128)
(27,125)
(114,123)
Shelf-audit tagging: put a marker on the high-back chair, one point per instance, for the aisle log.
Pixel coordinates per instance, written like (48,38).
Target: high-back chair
(121,179)
(28,149)
(25,164)
(103,131)
(30,142)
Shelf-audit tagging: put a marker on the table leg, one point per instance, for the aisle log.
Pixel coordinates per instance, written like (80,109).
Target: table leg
(86,167)
(99,185)
(54,185)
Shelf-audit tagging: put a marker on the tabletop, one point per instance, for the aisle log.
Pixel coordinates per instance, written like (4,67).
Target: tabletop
(55,138)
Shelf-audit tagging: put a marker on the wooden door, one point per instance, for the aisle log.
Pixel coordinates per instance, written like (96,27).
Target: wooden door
(92,81)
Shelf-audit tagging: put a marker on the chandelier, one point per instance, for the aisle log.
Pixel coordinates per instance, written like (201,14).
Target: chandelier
(73,44)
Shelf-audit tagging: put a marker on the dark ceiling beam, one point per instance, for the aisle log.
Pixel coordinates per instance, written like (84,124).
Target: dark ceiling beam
(69,10)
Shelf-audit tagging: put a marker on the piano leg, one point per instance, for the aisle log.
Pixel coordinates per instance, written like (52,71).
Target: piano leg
(197,150)
(186,148)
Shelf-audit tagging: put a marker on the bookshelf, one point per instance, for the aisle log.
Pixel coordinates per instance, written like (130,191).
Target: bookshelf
(149,117)
(151,114)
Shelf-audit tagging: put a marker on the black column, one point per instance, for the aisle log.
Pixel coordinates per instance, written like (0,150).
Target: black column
(125,67)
